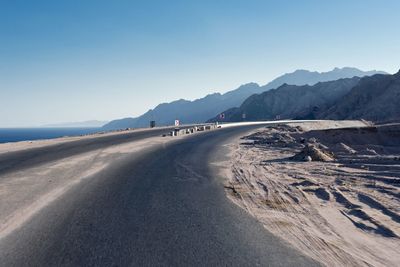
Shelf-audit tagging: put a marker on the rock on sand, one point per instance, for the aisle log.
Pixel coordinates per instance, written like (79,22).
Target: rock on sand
(311,151)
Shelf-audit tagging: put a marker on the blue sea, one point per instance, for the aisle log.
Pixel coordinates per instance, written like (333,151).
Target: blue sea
(25,134)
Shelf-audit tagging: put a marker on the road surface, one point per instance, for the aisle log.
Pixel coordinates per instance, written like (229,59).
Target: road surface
(166,207)
(31,157)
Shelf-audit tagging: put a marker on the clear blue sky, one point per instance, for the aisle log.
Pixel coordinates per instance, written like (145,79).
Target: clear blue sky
(76,60)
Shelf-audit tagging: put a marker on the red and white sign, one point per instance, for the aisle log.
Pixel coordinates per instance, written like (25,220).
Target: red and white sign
(176,122)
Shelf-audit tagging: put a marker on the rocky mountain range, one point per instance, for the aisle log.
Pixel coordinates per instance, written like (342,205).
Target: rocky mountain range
(290,101)
(375,98)
(200,110)
(187,111)
(303,77)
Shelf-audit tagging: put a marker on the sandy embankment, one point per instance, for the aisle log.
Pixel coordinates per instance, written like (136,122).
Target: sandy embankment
(344,212)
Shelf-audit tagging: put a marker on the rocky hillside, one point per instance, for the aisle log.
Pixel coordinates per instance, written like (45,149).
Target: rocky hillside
(291,101)
(375,98)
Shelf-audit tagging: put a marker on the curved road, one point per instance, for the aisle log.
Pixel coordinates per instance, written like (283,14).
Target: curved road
(19,160)
(164,208)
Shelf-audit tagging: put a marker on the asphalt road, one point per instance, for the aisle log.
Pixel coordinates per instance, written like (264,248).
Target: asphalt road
(166,207)
(18,160)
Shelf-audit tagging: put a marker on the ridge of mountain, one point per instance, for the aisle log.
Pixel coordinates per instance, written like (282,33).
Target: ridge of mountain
(290,101)
(374,98)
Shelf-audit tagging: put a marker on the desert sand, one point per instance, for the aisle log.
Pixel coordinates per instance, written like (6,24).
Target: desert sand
(331,192)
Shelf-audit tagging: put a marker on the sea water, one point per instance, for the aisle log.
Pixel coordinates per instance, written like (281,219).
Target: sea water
(25,134)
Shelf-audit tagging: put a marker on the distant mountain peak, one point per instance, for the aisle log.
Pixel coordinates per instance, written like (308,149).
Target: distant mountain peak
(301,71)
(283,85)
(302,77)
(345,69)
(336,70)
(251,84)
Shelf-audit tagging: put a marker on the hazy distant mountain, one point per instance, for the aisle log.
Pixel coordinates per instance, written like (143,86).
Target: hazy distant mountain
(302,77)
(207,107)
(291,101)
(82,124)
(375,98)
(187,111)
